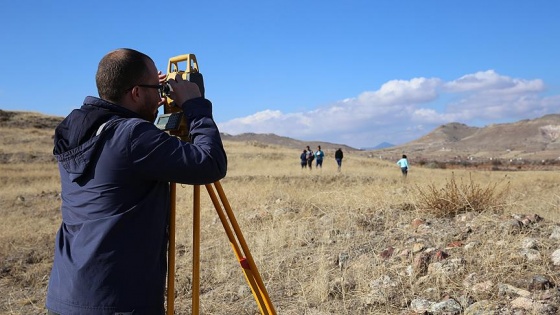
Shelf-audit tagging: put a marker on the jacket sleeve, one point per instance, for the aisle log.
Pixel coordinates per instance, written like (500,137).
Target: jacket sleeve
(160,156)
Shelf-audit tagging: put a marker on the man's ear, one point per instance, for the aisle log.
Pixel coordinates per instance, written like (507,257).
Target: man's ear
(135,93)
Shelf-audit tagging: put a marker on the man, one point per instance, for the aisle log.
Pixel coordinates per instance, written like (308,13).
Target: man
(338,156)
(115,168)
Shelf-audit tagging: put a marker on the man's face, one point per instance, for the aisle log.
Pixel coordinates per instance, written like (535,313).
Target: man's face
(150,100)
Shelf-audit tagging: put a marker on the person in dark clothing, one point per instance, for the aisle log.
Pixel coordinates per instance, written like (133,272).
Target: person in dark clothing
(115,168)
(303,159)
(338,156)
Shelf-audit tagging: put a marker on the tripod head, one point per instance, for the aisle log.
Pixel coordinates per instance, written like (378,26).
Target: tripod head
(173,119)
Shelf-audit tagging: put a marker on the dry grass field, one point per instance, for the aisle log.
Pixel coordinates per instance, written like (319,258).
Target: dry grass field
(359,241)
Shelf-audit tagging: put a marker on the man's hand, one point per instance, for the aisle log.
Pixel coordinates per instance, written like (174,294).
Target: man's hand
(182,90)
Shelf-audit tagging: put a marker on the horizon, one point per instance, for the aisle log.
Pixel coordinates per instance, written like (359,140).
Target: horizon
(358,73)
(378,146)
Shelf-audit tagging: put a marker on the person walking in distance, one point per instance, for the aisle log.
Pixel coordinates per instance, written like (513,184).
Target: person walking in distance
(403,163)
(319,155)
(310,157)
(303,159)
(338,156)
(110,254)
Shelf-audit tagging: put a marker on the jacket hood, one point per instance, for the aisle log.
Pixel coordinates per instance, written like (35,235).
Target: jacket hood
(76,139)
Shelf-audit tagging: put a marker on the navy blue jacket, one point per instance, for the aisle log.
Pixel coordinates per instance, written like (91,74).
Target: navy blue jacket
(110,251)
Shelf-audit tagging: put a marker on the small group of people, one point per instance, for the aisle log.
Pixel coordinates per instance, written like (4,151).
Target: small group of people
(307,157)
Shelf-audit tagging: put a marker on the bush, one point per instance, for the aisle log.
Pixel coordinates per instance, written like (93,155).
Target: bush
(456,198)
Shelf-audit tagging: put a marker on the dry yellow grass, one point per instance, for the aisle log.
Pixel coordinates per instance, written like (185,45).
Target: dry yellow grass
(316,235)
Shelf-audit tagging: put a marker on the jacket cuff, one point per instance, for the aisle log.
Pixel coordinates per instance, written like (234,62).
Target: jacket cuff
(197,107)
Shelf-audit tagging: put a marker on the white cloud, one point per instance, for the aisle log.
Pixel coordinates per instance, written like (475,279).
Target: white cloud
(403,110)
(489,82)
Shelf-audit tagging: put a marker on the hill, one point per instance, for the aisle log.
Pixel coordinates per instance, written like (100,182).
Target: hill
(270,138)
(531,139)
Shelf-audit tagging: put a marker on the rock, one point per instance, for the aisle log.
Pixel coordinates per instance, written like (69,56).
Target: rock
(535,307)
(509,290)
(556,257)
(447,307)
(440,255)
(539,282)
(387,252)
(483,307)
(483,287)
(471,245)
(20,200)
(529,243)
(531,254)
(420,306)
(417,222)
(449,266)
(555,233)
(381,290)
(417,247)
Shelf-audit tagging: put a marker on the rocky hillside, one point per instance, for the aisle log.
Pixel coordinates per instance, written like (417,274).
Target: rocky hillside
(535,139)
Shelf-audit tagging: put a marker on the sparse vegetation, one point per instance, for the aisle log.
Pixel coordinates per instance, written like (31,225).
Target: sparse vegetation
(354,242)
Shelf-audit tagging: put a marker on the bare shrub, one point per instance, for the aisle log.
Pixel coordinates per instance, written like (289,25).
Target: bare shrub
(455,198)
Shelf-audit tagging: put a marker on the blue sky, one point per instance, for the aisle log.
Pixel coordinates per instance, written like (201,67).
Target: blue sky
(350,72)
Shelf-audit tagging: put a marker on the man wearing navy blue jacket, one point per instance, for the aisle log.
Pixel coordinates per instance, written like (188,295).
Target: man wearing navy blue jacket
(115,168)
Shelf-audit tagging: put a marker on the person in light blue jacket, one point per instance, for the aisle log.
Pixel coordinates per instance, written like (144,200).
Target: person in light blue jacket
(115,167)
(403,163)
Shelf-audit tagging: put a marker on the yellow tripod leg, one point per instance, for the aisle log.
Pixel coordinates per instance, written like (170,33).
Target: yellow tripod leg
(196,251)
(243,255)
(236,239)
(243,243)
(171,252)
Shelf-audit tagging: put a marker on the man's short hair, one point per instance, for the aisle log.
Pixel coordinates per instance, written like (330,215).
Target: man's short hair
(119,71)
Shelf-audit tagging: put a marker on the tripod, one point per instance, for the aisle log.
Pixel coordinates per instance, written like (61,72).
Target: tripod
(236,239)
(173,121)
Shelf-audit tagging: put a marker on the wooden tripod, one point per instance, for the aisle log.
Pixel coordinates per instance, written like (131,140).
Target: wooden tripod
(240,249)
(191,73)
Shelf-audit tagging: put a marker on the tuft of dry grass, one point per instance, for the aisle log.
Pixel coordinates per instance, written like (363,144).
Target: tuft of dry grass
(456,198)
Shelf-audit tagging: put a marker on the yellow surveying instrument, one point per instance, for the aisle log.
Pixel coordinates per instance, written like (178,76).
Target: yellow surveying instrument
(175,123)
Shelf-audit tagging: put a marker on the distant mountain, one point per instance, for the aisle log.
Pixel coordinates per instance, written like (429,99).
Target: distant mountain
(533,139)
(382,145)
